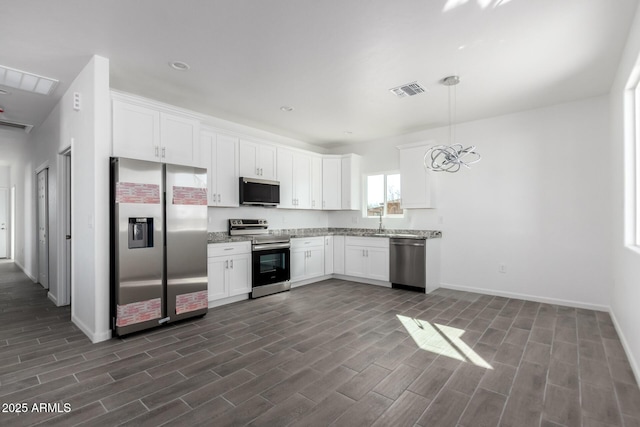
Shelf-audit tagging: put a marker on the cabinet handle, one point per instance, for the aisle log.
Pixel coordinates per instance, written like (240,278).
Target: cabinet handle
(163,151)
(157,152)
(228,249)
(367,253)
(231,263)
(226,264)
(218,198)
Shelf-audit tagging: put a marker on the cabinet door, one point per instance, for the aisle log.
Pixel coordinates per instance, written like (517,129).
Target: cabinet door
(136,132)
(298,263)
(316,182)
(331,183)
(415,181)
(328,255)
(350,175)
(178,139)
(377,260)
(267,161)
(315,262)
(226,173)
(285,176)
(355,262)
(239,274)
(338,254)
(248,159)
(207,146)
(302,181)
(216,274)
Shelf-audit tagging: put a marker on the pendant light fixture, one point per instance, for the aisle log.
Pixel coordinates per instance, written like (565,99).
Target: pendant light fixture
(450,158)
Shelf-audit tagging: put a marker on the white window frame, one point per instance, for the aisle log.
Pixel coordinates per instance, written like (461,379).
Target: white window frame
(632,162)
(365,193)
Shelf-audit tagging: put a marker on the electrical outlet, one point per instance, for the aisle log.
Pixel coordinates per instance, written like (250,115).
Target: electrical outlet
(502,268)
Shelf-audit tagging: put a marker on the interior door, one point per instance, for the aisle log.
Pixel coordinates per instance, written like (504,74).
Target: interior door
(4,223)
(43,228)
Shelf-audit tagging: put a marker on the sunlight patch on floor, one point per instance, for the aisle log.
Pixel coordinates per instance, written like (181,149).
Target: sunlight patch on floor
(441,339)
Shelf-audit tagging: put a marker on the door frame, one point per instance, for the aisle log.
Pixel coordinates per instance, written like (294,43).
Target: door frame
(39,169)
(64,226)
(8,228)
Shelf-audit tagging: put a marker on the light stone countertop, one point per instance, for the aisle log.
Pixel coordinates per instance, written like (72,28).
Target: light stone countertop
(223,236)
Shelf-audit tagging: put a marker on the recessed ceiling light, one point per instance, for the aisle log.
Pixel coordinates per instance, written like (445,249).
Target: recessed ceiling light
(179,65)
(286,108)
(26,81)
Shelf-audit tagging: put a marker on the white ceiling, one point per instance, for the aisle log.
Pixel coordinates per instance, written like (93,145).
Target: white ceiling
(333,61)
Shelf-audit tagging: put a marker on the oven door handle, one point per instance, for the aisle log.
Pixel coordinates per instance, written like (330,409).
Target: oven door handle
(269,246)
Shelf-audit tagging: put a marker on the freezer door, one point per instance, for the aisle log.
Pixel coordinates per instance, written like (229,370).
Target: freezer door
(186,241)
(137,245)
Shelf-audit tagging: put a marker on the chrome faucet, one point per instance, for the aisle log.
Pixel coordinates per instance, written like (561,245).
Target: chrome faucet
(380,225)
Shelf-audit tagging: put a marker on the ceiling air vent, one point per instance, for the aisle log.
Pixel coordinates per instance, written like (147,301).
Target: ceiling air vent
(408,89)
(15,125)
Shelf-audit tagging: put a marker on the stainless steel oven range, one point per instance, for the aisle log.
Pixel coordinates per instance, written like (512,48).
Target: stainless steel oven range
(270,258)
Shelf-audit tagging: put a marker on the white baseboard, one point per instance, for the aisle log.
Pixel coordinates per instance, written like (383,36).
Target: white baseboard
(625,345)
(53,298)
(362,280)
(33,279)
(94,337)
(228,300)
(516,295)
(310,281)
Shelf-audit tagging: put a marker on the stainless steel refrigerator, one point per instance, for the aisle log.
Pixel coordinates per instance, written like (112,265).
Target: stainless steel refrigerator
(158,244)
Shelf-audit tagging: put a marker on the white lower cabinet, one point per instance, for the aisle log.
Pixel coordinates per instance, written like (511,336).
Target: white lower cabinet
(307,258)
(338,254)
(229,269)
(367,257)
(328,254)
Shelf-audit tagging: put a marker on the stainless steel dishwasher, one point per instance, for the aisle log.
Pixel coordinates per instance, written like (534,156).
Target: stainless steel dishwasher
(407,259)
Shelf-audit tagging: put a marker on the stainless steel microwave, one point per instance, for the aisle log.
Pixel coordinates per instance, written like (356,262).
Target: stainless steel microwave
(260,192)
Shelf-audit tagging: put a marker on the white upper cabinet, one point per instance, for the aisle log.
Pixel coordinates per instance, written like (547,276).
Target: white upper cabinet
(416,182)
(179,138)
(136,131)
(220,152)
(331,183)
(257,160)
(294,174)
(351,178)
(316,182)
(146,132)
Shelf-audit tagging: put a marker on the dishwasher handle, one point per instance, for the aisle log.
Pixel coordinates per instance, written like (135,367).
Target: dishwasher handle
(406,242)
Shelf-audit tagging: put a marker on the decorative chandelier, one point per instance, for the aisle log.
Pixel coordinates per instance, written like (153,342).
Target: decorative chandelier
(450,158)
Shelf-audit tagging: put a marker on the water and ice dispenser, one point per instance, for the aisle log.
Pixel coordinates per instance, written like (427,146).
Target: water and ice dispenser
(140,233)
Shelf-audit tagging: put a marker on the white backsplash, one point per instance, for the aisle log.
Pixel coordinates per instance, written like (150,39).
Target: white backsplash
(278,218)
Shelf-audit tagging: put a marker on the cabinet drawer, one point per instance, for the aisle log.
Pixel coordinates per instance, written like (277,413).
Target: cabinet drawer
(223,249)
(372,242)
(307,242)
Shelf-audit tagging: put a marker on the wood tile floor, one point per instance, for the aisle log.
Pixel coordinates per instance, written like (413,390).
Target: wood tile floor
(335,352)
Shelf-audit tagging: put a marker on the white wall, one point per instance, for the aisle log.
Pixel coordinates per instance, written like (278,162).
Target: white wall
(15,149)
(539,202)
(626,265)
(88,132)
